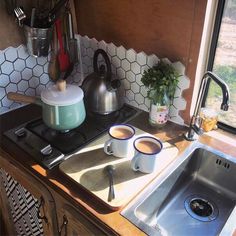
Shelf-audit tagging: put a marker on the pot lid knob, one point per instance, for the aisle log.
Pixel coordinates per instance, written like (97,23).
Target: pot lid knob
(61,85)
(62,94)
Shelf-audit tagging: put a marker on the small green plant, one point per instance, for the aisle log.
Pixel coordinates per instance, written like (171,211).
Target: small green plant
(161,80)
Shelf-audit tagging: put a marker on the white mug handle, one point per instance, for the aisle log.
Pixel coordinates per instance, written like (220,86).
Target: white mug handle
(107,147)
(134,162)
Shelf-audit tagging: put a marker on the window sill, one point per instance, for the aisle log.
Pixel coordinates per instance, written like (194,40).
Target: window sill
(223,136)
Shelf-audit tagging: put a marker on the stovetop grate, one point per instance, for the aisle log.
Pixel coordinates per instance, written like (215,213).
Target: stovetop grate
(49,147)
(75,139)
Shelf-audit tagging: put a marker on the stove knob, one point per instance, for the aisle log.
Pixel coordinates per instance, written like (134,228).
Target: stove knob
(20,133)
(46,151)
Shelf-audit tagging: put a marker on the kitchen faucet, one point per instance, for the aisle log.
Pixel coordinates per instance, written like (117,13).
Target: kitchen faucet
(195,123)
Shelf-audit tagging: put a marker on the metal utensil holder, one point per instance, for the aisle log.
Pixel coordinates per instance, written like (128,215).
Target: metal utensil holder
(38,40)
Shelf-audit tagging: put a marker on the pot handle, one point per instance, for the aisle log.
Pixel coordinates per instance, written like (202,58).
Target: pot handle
(107,61)
(17,97)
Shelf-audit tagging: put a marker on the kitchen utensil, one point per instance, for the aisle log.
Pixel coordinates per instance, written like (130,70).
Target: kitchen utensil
(72,41)
(69,71)
(48,19)
(103,94)
(73,13)
(110,170)
(38,40)
(53,67)
(32,17)
(55,11)
(63,57)
(20,15)
(62,105)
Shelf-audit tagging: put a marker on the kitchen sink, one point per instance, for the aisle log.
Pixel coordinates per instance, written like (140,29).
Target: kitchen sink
(195,195)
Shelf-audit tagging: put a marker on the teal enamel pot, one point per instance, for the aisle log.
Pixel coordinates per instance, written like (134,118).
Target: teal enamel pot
(62,105)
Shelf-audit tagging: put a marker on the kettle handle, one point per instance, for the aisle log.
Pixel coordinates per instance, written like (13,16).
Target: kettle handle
(107,61)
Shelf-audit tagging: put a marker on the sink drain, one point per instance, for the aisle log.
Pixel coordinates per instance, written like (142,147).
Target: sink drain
(200,208)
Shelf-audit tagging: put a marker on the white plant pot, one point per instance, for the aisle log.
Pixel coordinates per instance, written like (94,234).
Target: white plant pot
(158,115)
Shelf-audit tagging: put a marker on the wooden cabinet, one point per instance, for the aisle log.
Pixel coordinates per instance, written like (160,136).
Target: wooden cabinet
(6,221)
(42,199)
(58,215)
(73,223)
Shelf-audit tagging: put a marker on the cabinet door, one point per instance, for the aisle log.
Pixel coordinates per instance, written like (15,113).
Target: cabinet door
(37,201)
(73,223)
(6,221)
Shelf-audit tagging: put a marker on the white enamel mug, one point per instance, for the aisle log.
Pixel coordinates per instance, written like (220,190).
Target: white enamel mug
(147,150)
(120,143)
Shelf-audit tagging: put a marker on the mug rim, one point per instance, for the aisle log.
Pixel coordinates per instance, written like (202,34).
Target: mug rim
(122,125)
(150,137)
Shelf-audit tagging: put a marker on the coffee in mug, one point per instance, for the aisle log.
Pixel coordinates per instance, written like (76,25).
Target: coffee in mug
(121,133)
(147,150)
(148,147)
(120,143)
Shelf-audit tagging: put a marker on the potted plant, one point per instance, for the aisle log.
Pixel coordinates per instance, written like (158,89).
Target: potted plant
(161,81)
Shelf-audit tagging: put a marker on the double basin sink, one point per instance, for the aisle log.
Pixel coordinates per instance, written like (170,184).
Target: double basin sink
(195,195)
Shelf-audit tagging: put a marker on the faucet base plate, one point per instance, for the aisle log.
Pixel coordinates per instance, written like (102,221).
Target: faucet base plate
(191,137)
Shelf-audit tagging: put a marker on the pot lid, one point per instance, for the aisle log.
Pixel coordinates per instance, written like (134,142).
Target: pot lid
(62,94)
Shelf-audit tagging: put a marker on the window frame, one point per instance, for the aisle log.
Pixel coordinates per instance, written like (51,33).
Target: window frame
(211,57)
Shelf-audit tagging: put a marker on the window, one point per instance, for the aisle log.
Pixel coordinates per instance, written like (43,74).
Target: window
(222,61)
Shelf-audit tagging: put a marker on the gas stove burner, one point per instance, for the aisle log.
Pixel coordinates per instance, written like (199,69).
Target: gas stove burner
(49,147)
(64,131)
(46,130)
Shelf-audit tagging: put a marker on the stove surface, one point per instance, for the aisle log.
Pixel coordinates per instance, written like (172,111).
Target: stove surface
(49,147)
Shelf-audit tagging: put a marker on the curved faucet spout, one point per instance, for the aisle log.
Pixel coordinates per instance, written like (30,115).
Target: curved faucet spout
(224,88)
(195,124)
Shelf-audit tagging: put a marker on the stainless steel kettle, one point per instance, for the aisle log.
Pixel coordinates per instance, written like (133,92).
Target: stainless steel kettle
(102,94)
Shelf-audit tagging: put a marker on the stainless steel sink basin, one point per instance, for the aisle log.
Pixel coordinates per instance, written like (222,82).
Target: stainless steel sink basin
(196,195)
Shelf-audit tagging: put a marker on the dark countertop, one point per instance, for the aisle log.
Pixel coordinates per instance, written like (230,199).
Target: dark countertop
(171,133)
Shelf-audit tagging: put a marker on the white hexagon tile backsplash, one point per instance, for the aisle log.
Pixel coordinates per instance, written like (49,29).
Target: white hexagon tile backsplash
(20,72)
(128,65)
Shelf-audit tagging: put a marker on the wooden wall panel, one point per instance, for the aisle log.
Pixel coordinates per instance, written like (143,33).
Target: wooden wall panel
(168,28)
(10,33)
(197,27)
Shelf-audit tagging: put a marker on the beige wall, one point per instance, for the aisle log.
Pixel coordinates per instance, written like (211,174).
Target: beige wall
(170,28)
